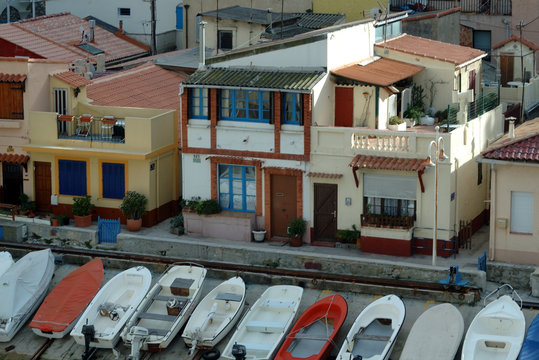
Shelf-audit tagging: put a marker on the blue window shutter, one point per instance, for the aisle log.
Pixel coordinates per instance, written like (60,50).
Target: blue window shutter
(179,18)
(113,180)
(72,177)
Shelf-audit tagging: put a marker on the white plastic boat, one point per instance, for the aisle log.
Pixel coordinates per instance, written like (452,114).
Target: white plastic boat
(497,331)
(22,288)
(375,330)
(165,309)
(216,315)
(112,307)
(263,328)
(436,334)
(5,261)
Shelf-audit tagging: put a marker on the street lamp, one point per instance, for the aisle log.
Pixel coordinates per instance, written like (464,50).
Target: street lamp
(438,146)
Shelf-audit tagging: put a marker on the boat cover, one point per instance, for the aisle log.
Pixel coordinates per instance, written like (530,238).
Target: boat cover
(69,298)
(5,261)
(24,282)
(530,347)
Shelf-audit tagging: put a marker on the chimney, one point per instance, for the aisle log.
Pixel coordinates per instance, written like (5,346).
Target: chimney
(121,27)
(269,20)
(511,129)
(202,47)
(100,66)
(91,23)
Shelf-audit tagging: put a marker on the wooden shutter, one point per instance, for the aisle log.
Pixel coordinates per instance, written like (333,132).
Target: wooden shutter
(11,105)
(72,177)
(113,180)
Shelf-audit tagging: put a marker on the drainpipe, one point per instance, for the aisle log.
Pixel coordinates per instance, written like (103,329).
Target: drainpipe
(186,7)
(456,226)
(202,47)
(180,117)
(492,238)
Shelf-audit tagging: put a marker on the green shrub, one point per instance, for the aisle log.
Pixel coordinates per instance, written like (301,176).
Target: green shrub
(395,120)
(348,236)
(297,227)
(134,205)
(207,207)
(413,112)
(82,205)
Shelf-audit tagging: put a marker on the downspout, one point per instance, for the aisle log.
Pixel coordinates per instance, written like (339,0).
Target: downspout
(492,239)
(186,7)
(180,144)
(457,214)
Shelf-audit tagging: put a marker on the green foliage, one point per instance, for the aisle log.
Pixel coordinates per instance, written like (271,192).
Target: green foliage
(207,207)
(418,97)
(297,227)
(26,205)
(395,120)
(82,205)
(413,112)
(348,236)
(177,223)
(134,205)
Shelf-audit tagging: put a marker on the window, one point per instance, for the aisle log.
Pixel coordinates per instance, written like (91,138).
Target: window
(237,188)
(292,104)
(72,177)
(521,212)
(199,103)
(389,207)
(124,12)
(225,39)
(179,17)
(246,105)
(11,105)
(60,107)
(390,195)
(113,180)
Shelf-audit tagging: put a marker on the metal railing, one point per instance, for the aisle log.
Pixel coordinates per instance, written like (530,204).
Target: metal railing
(482,104)
(489,7)
(98,129)
(395,222)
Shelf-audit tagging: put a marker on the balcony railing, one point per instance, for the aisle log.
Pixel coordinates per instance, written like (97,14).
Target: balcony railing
(489,7)
(392,222)
(105,129)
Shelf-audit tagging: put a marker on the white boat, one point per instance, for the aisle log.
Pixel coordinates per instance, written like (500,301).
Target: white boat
(497,331)
(112,307)
(22,288)
(5,261)
(375,330)
(165,309)
(263,328)
(216,315)
(436,334)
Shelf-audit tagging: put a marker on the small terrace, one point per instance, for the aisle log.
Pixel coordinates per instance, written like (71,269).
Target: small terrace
(87,127)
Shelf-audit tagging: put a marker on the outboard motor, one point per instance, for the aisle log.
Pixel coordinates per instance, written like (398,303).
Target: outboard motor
(239,351)
(358,357)
(89,333)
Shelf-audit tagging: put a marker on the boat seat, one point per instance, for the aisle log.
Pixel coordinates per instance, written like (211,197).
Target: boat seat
(372,337)
(279,304)
(152,316)
(228,297)
(257,347)
(265,326)
(158,332)
(169,297)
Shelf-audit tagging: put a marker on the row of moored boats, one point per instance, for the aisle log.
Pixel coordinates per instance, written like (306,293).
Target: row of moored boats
(147,319)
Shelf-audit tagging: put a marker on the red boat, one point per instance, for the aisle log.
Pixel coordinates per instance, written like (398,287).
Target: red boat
(313,334)
(61,308)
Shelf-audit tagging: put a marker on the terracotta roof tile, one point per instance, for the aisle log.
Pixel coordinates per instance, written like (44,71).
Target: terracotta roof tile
(14,158)
(383,72)
(528,43)
(442,51)
(518,149)
(387,163)
(72,79)
(324,175)
(145,86)
(12,77)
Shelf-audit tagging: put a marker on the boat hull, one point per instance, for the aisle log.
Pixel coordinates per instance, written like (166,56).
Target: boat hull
(312,336)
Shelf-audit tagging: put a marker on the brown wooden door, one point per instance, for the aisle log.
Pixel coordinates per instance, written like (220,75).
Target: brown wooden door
(283,203)
(344,106)
(42,185)
(506,68)
(325,212)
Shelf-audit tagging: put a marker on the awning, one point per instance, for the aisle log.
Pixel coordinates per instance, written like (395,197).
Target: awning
(15,159)
(382,72)
(324,175)
(12,77)
(388,163)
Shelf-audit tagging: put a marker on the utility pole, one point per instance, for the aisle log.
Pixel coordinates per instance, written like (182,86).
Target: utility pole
(522,71)
(154,44)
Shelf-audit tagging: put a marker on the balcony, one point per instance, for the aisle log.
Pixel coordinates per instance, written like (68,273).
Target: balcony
(487,7)
(386,221)
(87,127)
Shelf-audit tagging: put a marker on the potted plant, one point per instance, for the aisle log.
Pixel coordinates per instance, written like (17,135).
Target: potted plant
(296,230)
(349,236)
(133,207)
(396,123)
(82,210)
(54,221)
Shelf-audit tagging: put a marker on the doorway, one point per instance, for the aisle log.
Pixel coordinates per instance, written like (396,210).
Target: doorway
(283,203)
(12,183)
(42,186)
(325,212)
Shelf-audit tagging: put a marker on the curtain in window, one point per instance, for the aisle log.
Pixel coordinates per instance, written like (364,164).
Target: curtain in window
(389,186)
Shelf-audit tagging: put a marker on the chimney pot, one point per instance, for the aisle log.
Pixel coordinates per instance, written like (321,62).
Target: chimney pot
(91,23)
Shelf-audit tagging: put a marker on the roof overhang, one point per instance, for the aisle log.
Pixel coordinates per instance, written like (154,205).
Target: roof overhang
(12,78)
(15,159)
(381,72)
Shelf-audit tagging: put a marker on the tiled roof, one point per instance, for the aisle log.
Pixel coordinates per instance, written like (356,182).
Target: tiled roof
(72,79)
(145,86)
(383,72)
(319,20)
(324,175)
(62,33)
(14,158)
(12,77)
(518,149)
(387,163)
(253,78)
(528,43)
(438,50)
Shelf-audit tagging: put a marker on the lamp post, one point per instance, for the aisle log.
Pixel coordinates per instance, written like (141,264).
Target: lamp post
(438,146)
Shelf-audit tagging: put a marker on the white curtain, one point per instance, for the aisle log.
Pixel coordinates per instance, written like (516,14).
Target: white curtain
(522,212)
(390,186)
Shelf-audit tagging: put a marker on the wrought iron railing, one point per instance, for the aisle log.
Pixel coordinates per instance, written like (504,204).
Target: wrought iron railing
(395,222)
(97,129)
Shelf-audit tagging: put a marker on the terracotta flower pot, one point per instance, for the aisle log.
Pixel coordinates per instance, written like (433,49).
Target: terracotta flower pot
(83,221)
(134,225)
(296,241)
(54,222)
